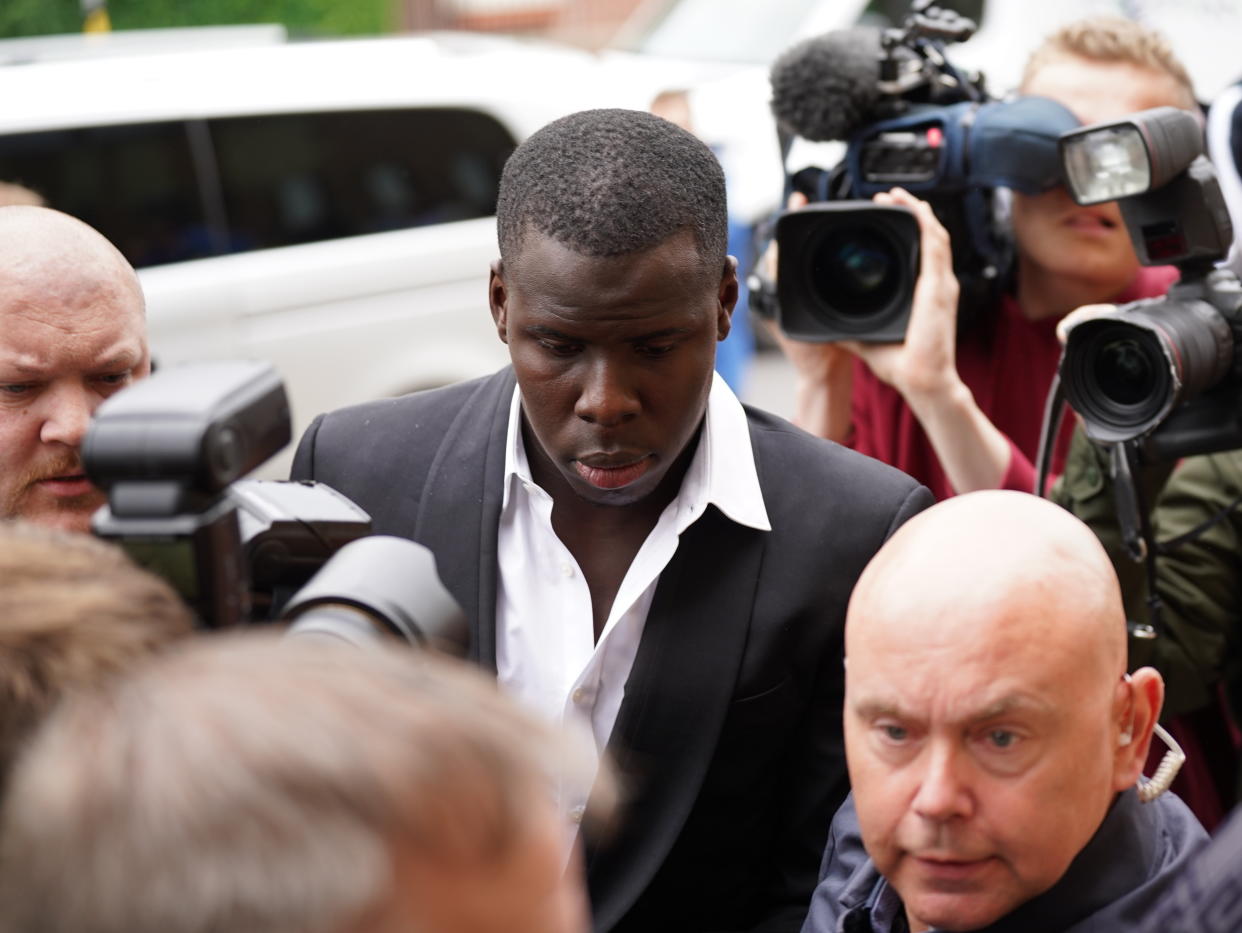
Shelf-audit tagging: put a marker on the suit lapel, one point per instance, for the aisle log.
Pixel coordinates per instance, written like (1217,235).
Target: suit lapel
(459,511)
(675,704)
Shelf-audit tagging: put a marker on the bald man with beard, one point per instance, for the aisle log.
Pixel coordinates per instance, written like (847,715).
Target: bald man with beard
(993,737)
(72,333)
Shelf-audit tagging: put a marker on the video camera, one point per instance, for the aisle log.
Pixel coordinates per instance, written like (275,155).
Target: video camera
(170,452)
(1162,373)
(847,267)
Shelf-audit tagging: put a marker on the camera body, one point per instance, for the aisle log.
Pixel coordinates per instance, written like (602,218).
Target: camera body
(170,452)
(1165,373)
(847,270)
(933,131)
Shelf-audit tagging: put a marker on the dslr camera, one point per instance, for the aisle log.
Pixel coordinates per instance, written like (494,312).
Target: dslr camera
(847,267)
(172,451)
(1163,374)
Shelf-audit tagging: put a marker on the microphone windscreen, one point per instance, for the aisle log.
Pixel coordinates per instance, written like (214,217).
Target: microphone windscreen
(824,87)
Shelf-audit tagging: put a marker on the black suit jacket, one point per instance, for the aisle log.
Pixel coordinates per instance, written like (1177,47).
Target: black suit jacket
(728,740)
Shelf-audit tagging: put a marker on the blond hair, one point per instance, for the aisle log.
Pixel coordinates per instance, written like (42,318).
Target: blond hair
(249,783)
(74,611)
(1112,39)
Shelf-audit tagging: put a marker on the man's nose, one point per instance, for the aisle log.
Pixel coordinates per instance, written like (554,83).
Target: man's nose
(67,414)
(608,397)
(944,790)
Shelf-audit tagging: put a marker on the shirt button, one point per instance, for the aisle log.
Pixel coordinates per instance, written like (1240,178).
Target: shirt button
(567,569)
(578,695)
(576,814)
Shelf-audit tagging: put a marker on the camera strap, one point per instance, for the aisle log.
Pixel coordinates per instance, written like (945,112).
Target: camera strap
(1054,412)
(1136,535)
(1167,547)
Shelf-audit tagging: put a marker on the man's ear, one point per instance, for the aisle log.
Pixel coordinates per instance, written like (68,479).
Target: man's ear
(726,298)
(1140,697)
(498,299)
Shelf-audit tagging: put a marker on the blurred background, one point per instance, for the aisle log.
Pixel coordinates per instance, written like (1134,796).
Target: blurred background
(312,182)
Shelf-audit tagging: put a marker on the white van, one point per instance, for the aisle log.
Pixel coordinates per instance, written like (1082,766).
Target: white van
(327,206)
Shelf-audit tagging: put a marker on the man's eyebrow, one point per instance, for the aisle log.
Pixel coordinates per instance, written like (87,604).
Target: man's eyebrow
(122,359)
(878,709)
(1011,703)
(29,369)
(661,334)
(543,330)
(23,363)
(1002,706)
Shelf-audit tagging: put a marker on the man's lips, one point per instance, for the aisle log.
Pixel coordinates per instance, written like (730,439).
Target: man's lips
(68,485)
(606,471)
(941,868)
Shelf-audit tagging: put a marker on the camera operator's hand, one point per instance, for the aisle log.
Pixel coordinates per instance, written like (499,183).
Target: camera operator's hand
(823,372)
(1079,314)
(923,368)
(924,365)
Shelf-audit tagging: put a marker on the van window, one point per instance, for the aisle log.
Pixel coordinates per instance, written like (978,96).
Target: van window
(298,178)
(136,184)
(171,191)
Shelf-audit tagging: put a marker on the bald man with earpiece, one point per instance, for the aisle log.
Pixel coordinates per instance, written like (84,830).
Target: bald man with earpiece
(994,740)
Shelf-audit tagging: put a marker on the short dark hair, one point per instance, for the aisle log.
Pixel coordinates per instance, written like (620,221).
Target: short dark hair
(611,183)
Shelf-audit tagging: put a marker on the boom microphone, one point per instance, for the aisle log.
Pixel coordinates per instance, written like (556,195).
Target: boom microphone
(825,87)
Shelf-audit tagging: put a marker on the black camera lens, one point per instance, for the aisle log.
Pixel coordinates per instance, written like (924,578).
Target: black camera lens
(1117,376)
(1125,370)
(857,271)
(1123,373)
(846,271)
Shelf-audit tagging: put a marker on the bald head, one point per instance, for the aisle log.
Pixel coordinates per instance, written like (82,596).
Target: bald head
(996,562)
(52,252)
(72,332)
(988,721)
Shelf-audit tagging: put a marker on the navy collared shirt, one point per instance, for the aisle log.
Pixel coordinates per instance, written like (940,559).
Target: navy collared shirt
(1112,884)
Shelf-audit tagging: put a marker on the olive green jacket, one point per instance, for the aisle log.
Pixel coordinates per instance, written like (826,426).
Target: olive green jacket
(1199,581)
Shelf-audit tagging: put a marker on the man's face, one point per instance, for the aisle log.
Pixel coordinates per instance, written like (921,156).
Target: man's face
(526,890)
(65,346)
(981,759)
(614,357)
(1054,235)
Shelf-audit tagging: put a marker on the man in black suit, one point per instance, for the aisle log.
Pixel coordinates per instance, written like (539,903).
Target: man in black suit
(639,555)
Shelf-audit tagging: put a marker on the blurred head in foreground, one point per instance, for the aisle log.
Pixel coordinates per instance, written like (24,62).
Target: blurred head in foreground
(74,612)
(989,724)
(248,783)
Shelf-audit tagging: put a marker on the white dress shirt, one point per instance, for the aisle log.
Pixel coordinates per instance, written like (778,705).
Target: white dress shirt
(546,652)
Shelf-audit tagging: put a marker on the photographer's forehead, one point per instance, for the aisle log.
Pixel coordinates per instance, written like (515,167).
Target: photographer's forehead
(1096,91)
